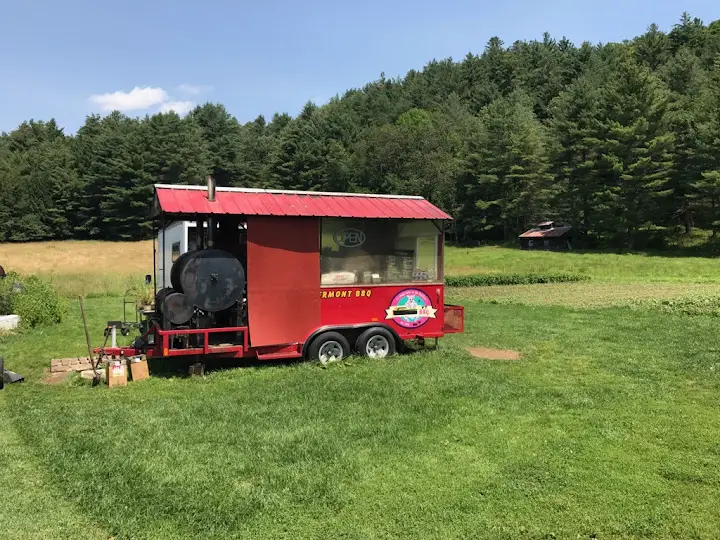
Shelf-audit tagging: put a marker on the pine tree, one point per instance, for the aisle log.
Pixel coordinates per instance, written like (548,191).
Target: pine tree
(635,146)
(685,78)
(573,126)
(652,49)
(706,188)
(109,152)
(298,158)
(255,147)
(506,168)
(221,133)
(39,182)
(6,183)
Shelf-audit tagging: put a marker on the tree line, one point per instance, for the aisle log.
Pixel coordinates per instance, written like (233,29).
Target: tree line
(619,140)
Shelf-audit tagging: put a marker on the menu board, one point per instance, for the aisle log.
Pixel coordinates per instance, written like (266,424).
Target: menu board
(400,267)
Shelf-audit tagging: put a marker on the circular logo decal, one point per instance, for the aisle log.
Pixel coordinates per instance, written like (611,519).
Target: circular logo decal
(411,308)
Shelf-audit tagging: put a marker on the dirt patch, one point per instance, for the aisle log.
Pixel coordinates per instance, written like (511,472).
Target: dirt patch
(494,354)
(54,378)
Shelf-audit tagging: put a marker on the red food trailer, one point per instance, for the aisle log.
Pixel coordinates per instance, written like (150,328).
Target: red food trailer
(281,274)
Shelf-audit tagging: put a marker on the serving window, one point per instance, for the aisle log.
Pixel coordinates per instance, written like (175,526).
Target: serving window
(379,251)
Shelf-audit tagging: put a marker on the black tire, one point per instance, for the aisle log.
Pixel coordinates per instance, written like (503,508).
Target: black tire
(2,372)
(329,347)
(376,343)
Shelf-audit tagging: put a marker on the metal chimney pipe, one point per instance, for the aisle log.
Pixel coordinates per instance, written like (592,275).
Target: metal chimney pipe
(210,188)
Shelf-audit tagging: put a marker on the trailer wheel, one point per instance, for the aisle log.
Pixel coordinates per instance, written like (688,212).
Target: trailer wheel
(329,347)
(376,343)
(2,372)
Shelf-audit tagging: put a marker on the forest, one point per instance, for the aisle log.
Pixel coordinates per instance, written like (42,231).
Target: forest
(619,140)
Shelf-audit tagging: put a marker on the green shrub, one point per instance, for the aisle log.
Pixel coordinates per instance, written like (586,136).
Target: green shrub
(5,294)
(486,280)
(36,301)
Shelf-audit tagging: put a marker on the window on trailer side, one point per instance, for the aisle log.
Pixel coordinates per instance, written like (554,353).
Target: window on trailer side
(379,251)
(175,251)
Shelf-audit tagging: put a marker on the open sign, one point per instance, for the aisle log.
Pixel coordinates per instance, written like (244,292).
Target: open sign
(349,238)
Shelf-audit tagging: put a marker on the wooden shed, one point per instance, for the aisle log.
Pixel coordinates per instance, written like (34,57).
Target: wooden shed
(548,236)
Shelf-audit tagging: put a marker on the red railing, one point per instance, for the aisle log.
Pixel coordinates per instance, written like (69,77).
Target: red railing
(162,341)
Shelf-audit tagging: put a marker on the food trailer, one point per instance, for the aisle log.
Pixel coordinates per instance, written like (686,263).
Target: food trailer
(281,274)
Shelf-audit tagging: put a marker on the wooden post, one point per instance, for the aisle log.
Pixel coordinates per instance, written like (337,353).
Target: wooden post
(96,377)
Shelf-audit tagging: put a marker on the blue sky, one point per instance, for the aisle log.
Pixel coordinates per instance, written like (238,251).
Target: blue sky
(263,57)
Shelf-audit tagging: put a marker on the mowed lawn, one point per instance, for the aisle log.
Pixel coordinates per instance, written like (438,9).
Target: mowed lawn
(628,267)
(606,428)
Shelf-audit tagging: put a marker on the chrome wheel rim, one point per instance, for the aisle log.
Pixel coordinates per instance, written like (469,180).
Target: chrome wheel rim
(330,351)
(377,347)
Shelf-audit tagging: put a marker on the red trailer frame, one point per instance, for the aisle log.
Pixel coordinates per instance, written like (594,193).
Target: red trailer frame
(292,239)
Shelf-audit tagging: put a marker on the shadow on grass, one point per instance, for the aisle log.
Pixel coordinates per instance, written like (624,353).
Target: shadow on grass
(180,366)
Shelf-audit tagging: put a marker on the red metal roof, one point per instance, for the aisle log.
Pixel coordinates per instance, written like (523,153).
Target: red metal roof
(545,233)
(187,200)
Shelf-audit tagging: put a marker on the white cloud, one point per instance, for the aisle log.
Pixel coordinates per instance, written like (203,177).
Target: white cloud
(180,107)
(194,89)
(136,99)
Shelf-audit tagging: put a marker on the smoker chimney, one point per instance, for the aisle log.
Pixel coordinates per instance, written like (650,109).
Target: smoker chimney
(211,188)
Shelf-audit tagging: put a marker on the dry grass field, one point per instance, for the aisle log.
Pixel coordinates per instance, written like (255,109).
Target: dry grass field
(96,269)
(77,267)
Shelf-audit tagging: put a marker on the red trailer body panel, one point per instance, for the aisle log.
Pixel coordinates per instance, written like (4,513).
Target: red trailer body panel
(283,279)
(409,310)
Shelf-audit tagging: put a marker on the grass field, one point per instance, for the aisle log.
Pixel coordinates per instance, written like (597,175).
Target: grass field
(109,268)
(80,267)
(606,428)
(630,267)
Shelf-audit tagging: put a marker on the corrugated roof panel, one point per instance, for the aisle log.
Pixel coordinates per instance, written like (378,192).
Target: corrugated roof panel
(321,205)
(254,204)
(411,206)
(361,206)
(401,207)
(228,206)
(545,233)
(189,200)
(335,206)
(296,206)
(305,205)
(272,205)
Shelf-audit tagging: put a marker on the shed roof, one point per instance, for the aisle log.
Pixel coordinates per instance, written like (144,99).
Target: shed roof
(555,232)
(188,200)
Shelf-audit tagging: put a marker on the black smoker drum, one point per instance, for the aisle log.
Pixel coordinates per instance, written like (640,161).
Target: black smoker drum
(211,279)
